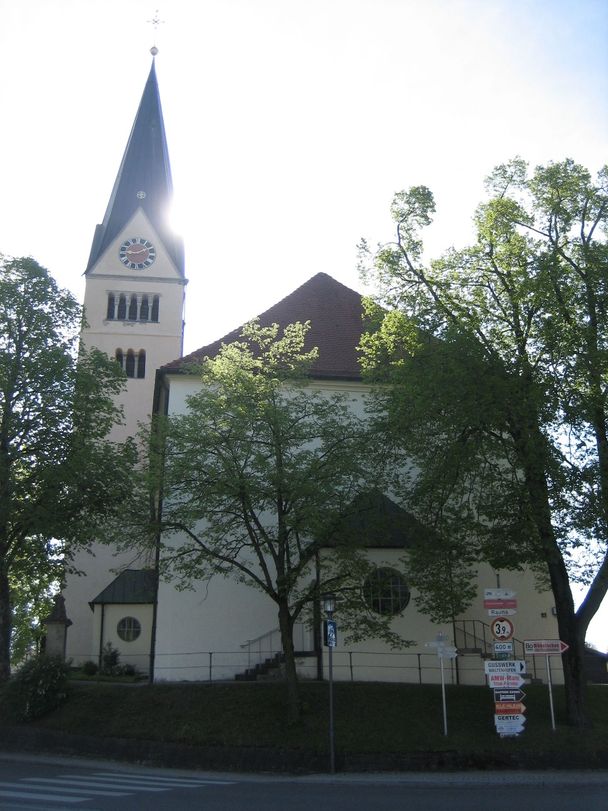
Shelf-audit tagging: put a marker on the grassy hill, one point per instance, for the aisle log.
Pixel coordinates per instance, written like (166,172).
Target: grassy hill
(370,720)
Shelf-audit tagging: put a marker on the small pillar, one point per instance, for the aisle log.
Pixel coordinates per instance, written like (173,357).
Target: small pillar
(57,625)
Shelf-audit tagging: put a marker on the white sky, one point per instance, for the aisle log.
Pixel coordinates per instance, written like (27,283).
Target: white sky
(290,126)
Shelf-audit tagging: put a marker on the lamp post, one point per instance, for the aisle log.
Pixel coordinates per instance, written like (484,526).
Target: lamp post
(329,636)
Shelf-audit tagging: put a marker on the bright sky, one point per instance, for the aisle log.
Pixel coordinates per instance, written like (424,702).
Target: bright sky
(290,126)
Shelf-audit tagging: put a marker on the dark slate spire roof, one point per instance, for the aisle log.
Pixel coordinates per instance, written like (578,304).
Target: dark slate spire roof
(336,315)
(145,168)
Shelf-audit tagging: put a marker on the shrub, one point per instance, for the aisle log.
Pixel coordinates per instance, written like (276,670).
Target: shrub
(109,660)
(37,688)
(89,668)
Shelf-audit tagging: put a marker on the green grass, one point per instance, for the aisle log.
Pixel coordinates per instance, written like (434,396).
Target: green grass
(369,718)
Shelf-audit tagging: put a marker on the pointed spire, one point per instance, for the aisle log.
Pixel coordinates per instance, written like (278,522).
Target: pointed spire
(143,180)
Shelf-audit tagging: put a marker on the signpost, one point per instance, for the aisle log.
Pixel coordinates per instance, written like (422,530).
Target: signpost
(546,648)
(444,651)
(504,674)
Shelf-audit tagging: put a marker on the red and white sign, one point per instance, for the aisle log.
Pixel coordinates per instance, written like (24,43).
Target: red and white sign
(505,681)
(544,647)
(502,628)
(510,603)
(509,707)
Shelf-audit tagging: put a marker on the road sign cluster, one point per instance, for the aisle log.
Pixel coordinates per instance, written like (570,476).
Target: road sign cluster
(504,673)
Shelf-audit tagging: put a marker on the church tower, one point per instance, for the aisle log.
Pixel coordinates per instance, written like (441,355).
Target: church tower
(134,311)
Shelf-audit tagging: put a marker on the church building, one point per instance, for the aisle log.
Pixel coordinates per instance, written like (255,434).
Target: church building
(134,309)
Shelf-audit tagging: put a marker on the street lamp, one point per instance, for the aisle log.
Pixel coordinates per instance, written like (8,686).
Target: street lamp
(329,636)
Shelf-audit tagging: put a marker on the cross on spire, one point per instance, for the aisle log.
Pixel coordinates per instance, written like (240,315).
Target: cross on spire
(155,22)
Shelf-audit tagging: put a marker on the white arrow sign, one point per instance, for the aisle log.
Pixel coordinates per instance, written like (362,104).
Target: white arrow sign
(515,666)
(509,729)
(517,718)
(498,594)
(544,647)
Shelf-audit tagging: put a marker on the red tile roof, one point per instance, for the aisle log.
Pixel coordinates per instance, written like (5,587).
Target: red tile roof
(335,313)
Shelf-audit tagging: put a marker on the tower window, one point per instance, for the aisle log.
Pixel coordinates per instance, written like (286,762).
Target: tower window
(133,309)
(141,363)
(130,363)
(122,308)
(133,364)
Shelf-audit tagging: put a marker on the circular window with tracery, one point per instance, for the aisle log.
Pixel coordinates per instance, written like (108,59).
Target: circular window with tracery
(128,629)
(385,591)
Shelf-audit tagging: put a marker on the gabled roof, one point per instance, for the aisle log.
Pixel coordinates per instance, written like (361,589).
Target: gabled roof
(131,586)
(145,168)
(336,315)
(377,522)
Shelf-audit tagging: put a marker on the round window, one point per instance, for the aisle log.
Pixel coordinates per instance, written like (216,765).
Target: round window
(386,591)
(128,629)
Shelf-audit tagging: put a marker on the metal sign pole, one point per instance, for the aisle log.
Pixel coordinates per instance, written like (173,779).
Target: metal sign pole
(550,686)
(445,711)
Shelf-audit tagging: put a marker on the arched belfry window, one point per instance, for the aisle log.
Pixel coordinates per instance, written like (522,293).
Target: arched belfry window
(141,363)
(122,308)
(144,311)
(130,363)
(133,309)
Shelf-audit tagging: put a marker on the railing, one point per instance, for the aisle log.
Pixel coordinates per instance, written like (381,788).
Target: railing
(348,665)
(476,636)
(269,644)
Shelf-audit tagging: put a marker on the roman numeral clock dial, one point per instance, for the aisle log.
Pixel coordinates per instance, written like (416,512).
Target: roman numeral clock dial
(137,253)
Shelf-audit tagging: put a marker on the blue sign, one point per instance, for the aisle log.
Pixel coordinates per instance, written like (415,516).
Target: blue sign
(330,633)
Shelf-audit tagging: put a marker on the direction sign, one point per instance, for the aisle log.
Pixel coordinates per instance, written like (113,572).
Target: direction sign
(502,628)
(544,647)
(498,594)
(515,718)
(504,681)
(509,728)
(516,666)
(502,612)
(509,695)
(509,707)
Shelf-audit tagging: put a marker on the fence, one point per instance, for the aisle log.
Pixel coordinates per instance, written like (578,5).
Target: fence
(348,665)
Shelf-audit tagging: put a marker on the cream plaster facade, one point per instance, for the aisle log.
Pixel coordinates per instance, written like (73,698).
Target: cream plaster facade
(220,628)
(162,342)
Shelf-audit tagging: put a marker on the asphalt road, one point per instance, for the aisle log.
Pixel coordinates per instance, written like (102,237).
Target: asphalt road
(31,783)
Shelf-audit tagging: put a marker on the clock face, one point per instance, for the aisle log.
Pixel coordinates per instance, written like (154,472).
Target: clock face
(137,253)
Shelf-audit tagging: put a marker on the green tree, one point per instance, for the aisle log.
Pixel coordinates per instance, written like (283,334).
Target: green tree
(499,359)
(59,476)
(258,478)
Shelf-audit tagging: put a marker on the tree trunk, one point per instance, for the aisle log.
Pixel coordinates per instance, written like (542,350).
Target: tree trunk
(531,449)
(6,626)
(291,676)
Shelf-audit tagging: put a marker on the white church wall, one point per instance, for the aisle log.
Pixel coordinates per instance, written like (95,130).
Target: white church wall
(105,621)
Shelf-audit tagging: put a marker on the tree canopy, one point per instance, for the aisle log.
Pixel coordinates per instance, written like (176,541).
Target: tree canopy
(498,356)
(258,477)
(59,475)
